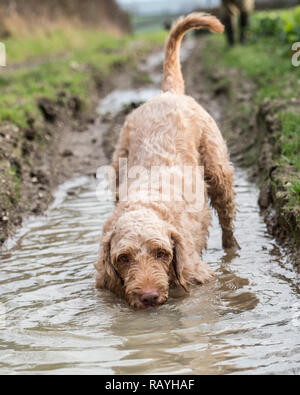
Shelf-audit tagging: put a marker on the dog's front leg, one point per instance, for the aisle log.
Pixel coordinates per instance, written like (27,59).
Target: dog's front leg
(121,152)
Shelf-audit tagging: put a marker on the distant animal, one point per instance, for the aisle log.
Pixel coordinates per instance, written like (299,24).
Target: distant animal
(149,245)
(167,25)
(230,8)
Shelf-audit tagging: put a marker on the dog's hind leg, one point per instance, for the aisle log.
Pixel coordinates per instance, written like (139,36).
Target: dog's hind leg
(218,174)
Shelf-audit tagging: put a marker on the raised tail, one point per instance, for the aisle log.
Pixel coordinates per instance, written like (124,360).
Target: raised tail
(172,78)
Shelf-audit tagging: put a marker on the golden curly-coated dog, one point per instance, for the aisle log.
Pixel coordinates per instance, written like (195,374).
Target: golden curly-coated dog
(150,245)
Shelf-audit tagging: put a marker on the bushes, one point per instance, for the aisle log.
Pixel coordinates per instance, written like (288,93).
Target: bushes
(284,26)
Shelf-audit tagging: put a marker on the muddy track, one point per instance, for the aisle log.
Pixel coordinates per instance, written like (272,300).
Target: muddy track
(57,322)
(79,142)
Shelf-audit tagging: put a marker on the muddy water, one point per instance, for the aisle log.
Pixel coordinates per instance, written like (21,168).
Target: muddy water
(53,320)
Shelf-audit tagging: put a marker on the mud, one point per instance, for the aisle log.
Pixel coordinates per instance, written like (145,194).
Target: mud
(34,160)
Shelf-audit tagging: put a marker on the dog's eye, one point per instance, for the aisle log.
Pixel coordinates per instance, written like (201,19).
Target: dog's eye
(161,254)
(124,259)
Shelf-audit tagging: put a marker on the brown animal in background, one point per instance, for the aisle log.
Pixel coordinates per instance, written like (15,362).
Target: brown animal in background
(230,8)
(149,246)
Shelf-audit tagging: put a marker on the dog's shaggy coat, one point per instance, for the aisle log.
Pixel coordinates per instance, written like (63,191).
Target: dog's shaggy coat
(148,246)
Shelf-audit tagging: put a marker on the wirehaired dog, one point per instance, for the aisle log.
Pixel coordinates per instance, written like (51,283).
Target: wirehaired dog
(149,245)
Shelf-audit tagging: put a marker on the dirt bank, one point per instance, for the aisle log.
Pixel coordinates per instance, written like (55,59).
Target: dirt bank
(36,159)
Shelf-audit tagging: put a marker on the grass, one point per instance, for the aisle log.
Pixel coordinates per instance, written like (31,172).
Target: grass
(62,60)
(264,62)
(289,144)
(296,190)
(290,139)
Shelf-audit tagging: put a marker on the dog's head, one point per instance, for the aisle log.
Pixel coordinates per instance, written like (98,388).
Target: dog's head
(143,254)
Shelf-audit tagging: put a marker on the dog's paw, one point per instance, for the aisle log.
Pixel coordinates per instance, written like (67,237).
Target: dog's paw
(229,242)
(203,273)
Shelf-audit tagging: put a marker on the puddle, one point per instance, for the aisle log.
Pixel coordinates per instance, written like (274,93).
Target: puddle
(55,321)
(118,99)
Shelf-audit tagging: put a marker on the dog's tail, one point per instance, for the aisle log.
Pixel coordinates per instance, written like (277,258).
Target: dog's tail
(172,78)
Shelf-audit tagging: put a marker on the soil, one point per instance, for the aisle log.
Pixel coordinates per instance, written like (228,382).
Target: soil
(43,156)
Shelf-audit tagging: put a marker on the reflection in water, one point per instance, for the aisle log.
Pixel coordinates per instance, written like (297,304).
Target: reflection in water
(56,321)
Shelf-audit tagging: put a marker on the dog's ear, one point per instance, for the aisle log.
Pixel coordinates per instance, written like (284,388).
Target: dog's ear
(179,256)
(104,261)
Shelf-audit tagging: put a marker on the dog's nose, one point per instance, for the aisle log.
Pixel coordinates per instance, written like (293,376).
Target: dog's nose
(149,298)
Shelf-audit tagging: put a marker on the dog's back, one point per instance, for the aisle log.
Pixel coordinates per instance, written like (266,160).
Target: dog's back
(166,130)
(153,239)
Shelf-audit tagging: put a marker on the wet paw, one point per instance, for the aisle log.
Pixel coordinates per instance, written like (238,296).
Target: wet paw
(203,273)
(229,243)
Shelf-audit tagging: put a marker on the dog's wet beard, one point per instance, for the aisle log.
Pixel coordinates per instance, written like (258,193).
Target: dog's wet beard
(142,291)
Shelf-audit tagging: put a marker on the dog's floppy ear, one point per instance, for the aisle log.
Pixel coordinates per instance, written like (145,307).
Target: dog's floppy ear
(179,255)
(104,262)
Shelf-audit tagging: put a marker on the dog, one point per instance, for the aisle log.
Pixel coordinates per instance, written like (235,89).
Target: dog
(229,9)
(150,246)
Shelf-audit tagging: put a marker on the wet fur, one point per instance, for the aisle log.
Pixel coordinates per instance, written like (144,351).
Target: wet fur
(171,129)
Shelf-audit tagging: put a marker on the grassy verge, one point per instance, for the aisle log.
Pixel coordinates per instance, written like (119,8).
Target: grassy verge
(262,71)
(62,60)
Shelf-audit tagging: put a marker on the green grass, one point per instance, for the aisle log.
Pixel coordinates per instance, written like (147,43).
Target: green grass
(72,58)
(264,62)
(282,24)
(65,42)
(296,190)
(289,140)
